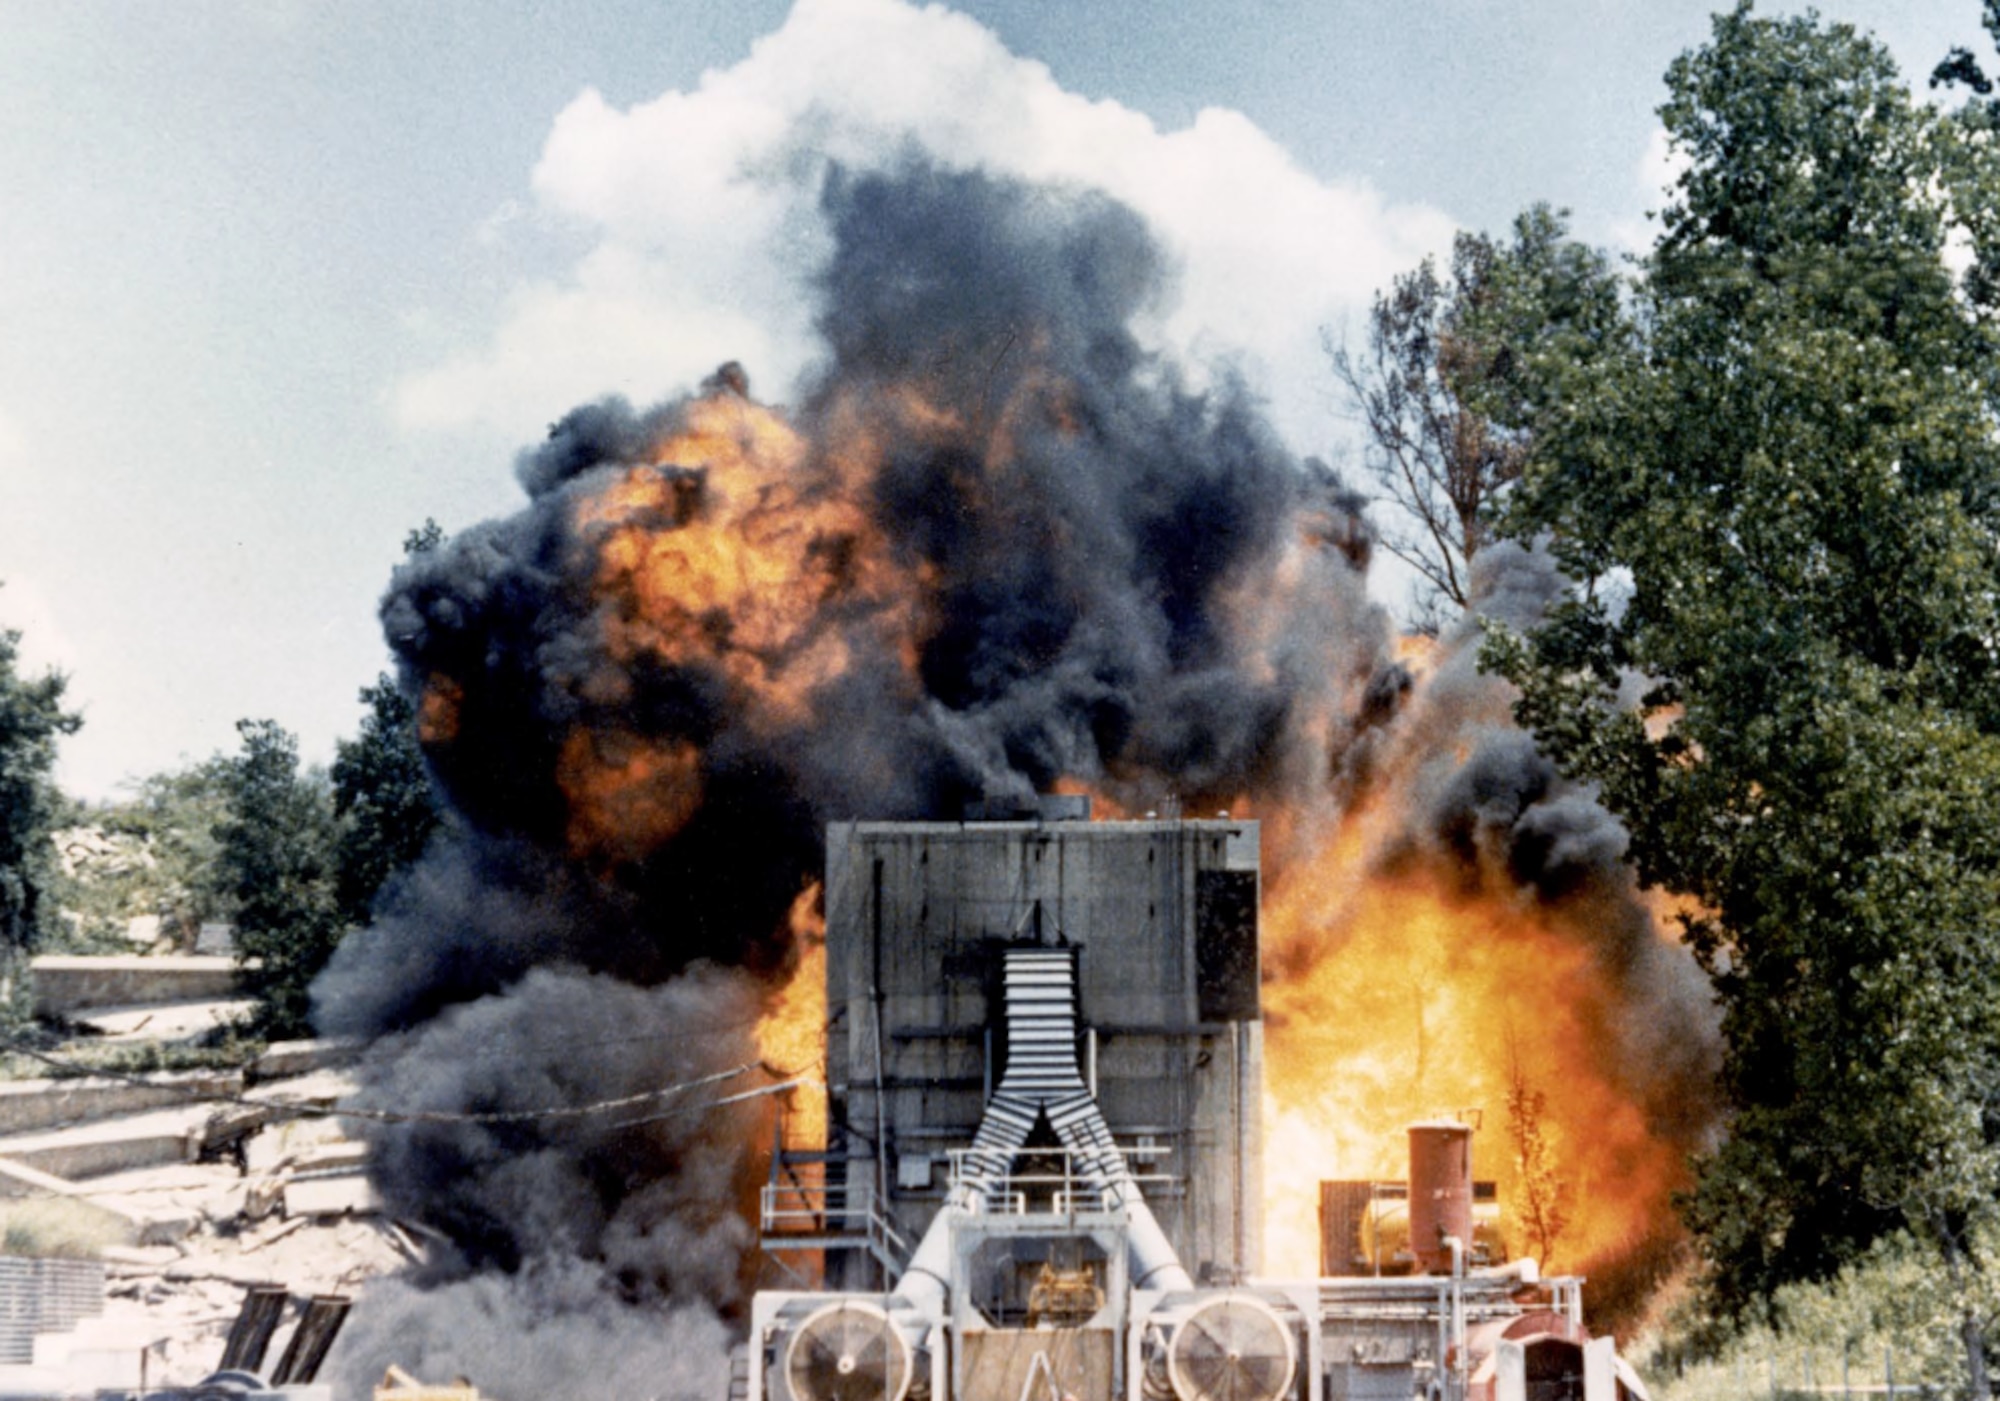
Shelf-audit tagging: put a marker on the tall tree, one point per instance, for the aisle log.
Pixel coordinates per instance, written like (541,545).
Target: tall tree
(382,795)
(31,720)
(1783,517)
(275,858)
(1455,376)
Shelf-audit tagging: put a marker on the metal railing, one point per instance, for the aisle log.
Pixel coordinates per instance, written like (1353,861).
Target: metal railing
(1062,1192)
(816,1210)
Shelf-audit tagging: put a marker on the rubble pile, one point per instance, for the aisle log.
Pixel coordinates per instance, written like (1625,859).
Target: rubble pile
(190,1188)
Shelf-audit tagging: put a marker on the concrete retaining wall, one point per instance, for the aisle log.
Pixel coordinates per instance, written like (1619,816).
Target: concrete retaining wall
(285,1058)
(97,1157)
(27,1106)
(66,983)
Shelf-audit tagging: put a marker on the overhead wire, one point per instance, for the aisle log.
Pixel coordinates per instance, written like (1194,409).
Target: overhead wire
(439,1116)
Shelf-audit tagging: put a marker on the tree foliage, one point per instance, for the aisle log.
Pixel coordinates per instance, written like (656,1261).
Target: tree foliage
(275,861)
(32,718)
(1887,1313)
(1455,376)
(1972,181)
(1781,508)
(383,797)
(176,814)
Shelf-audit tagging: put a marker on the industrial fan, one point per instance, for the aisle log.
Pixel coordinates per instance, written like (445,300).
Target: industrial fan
(848,1351)
(1232,1348)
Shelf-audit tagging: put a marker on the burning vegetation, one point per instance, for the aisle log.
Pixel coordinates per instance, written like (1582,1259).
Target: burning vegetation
(995,549)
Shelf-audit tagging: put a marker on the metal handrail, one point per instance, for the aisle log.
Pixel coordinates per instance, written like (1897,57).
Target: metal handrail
(819,1207)
(1009,1192)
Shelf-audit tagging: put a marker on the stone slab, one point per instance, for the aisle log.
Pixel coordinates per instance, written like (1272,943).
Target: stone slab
(330,1196)
(67,983)
(30,1106)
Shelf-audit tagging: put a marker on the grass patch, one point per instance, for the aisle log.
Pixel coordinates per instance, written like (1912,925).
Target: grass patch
(228,1047)
(57,1228)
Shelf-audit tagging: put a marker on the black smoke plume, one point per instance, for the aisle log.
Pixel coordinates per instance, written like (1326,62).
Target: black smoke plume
(1018,547)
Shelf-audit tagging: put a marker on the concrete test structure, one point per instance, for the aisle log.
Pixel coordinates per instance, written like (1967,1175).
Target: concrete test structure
(1161,918)
(1044,1072)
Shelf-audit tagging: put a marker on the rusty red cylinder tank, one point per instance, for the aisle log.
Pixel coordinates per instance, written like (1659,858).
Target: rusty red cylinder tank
(1440,1192)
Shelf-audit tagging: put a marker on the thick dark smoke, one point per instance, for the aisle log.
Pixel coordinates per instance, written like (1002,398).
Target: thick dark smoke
(1101,573)
(1081,607)
(1091,533)
(558,1322)
(1487,814)
(647,1185)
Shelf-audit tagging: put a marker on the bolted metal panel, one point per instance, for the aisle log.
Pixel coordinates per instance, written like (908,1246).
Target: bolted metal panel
(1227,987)
(919,916)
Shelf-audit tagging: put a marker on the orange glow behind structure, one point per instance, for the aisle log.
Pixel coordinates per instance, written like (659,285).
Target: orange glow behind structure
(1404,1003)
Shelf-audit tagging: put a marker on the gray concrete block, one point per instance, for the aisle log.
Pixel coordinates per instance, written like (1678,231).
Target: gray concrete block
(282,1058)
(27,1106)
(330,1196)
(66,983)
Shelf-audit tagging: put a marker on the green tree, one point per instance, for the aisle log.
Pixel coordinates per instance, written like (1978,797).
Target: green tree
(1972,180)
(31,720)
(1782,514)
(275,861)
(383,798)
(177,813)
(1455,376)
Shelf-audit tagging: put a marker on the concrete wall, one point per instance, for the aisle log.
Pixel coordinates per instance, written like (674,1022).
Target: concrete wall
(285,1058)
(29,1105)
(66,983)
(1164,915)
(71,1159)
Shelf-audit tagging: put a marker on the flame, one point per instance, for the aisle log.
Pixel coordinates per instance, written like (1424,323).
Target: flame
(627,793)
(1674,914)
(437,711)
(1390,998)
(791,1036)
(745,553)
(1103,807)
(731,554)
(1418,652)
(1402,1002)
(724,553)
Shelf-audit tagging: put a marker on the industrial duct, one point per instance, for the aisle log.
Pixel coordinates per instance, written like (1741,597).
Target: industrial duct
(1042,1078)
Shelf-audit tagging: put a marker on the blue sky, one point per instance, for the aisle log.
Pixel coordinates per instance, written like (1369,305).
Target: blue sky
(278,281)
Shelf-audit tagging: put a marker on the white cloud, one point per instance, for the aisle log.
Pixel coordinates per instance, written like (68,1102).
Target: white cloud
(625,323)
(13,441)
(1660,168)
(703,209)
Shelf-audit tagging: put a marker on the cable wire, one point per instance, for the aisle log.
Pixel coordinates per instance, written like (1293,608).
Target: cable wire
(434,1116)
